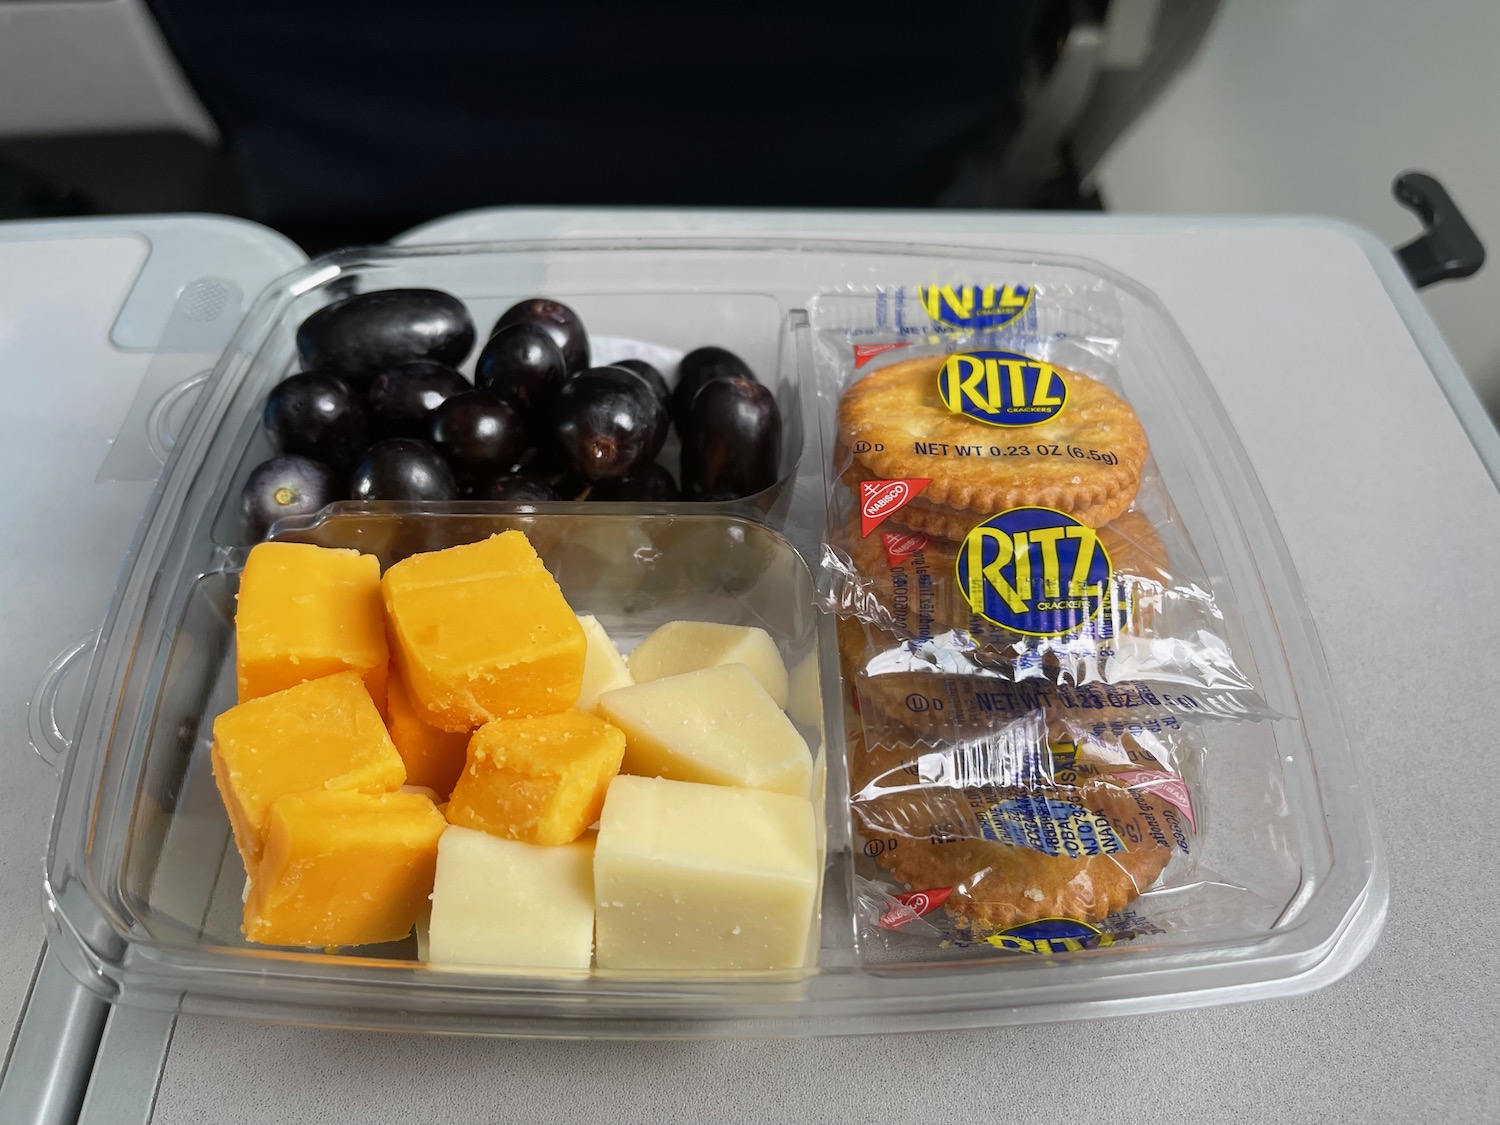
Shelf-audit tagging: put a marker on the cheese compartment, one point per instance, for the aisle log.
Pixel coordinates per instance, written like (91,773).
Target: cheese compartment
(181,883)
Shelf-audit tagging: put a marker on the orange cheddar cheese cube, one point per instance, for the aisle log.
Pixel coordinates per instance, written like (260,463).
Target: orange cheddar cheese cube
(305,612)
(482,632)
(539,780)
(343,868)
(324,734)
(434,758)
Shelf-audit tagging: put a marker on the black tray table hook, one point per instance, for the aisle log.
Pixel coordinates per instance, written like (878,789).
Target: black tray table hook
(1448,248)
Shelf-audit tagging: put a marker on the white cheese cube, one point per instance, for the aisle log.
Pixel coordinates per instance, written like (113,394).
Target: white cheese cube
(505,903)
(695,877)
(603,667)
(716,726)
(687,646)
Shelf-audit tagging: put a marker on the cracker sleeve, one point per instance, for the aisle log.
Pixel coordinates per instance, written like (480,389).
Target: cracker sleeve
(993,501)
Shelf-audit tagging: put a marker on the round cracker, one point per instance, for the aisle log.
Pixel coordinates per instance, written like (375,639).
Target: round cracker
(895,409)
(998,886)
(1136,552)
(910,790)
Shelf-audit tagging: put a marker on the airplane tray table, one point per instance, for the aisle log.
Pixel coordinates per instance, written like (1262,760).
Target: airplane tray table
(1365,439)
(96,317)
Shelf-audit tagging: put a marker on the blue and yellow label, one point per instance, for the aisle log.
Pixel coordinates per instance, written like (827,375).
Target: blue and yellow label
(1035,571)
(1050,826)
(1001,388)
(974,306)
(1051,935)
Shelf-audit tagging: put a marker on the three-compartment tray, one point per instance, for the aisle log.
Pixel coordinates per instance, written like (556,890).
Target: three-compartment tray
(143,886)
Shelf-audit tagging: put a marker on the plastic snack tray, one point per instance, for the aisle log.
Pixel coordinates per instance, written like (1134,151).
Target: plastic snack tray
(143,885)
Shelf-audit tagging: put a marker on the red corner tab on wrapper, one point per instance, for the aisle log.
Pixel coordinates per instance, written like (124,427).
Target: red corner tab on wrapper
(902,545)
(1169,787)
(880,499)
(863,353)
(912,905)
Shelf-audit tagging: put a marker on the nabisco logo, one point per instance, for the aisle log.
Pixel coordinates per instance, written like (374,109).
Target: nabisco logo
(1169,787)
(902,545)
(918,902)
(912,905)
(891,493)
(881,498)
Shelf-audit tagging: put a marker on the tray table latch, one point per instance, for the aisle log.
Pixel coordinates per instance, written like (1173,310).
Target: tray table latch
(1448,248)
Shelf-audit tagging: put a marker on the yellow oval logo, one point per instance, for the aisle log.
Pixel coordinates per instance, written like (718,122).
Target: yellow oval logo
(974,306)
(1001,388)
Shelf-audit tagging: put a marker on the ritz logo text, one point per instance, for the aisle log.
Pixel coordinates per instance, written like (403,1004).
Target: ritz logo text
(1001,388)
(974,306)
(1053,935)
(1034,570)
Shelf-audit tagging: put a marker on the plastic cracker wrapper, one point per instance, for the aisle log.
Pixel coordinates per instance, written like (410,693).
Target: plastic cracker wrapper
(995,503)
(1026,816)
(901,689)
(1033,821)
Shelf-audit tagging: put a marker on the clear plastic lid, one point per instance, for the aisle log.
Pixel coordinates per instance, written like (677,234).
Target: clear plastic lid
(143,884)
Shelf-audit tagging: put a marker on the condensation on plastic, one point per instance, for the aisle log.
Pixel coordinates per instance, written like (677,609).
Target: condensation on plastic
(1159,621)
(139,904)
